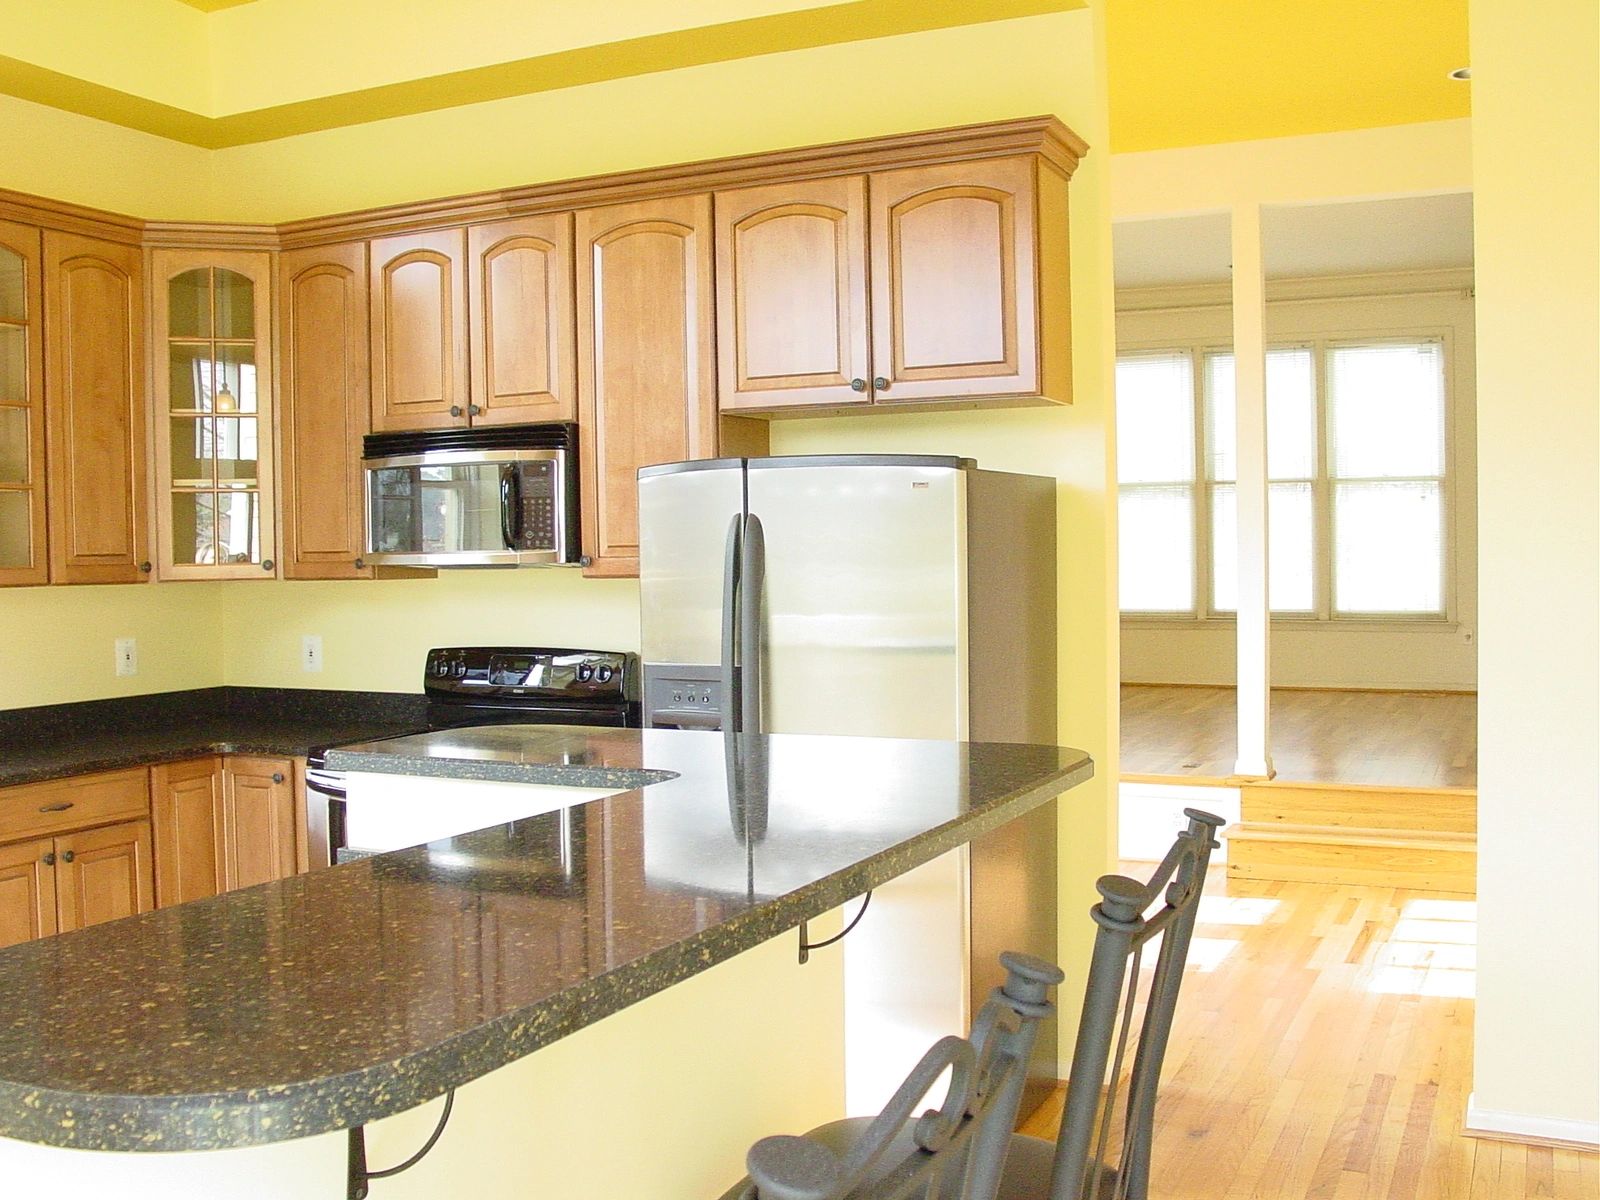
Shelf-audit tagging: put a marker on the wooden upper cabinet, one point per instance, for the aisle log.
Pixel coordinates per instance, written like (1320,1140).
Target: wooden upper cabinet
(325,397)
(22,507)
(955,278)
(95,445)
(520,312)
(259,820)
(646,371)
(27,891)
(419,330)
(103,874)
(211,314)
(792,295)
(187,819)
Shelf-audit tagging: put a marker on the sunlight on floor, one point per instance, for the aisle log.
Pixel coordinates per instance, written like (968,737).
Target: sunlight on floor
(1433,951)
(1235,910)
(1207,953)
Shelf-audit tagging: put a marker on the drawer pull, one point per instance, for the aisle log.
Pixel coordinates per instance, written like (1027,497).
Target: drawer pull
(67,856)
(62,807)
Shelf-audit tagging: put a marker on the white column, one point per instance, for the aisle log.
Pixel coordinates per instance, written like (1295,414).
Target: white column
(1250,400)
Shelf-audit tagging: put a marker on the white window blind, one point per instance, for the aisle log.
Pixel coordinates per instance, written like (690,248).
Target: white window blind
(1156,482)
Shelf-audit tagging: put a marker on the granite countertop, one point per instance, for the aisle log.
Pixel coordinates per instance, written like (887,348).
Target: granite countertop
(332,999)
(59,740)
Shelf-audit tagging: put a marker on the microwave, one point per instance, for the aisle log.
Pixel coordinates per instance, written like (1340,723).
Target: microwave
(499,497)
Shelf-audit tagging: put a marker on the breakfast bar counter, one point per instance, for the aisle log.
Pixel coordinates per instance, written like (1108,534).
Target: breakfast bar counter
(332,999)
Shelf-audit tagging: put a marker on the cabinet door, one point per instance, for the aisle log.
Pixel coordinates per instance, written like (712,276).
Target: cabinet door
(521,317)
(646,378)
(103,874)
(212,317)
(22,535)
(187,818)
(259,820)
(95,444)
(27,891)
(326,399)
(792,295)
(954,281)
(419,330)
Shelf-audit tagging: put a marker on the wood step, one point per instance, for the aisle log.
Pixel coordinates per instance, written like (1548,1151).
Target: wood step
(1420,811)
(1433,862)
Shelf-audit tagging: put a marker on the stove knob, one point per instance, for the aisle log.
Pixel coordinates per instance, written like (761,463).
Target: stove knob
(585,673)
(603,674)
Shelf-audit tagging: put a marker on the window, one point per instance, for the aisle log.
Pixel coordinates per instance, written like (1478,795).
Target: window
(1356,480)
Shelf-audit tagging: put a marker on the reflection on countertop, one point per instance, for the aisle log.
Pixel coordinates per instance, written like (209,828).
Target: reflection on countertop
(335,998)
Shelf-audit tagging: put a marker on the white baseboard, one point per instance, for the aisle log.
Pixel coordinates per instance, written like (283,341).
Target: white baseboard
(1529,1127)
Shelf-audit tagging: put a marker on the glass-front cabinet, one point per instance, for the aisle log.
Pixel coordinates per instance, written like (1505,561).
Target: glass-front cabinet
(214,426)
(22,512)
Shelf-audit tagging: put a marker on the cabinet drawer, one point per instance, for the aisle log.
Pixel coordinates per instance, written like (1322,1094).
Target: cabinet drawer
(40,809)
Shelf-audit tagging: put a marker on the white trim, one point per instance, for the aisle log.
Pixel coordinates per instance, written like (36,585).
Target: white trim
(1491,1122)
(1184,296)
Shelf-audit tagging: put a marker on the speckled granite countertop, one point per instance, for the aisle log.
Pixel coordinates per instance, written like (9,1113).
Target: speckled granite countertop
(54,741)
(339,997)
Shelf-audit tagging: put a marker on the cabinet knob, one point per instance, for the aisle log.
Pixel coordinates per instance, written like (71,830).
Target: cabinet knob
(858,385)
(145,567)
(361,564)
(67,856)
(880,384)
(49,859)
(267,564)
(277,777)
(455,410)
(474,410)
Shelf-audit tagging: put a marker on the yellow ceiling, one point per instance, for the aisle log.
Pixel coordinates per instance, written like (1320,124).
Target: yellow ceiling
(1181,72)
(1185,73)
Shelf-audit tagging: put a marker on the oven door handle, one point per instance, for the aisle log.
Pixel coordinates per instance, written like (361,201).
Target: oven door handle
(511,505)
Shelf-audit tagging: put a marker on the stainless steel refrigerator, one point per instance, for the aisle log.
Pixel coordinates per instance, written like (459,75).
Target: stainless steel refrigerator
(887,595)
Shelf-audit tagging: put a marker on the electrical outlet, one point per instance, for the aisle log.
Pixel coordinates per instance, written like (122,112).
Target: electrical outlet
(311,652)
(127,656)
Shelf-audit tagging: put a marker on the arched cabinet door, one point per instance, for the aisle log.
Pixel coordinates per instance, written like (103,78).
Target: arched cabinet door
(646,369)
(520,312)
(95,400)
(792,295)
(325,396)
(954,281)
(419,331)
(22,509)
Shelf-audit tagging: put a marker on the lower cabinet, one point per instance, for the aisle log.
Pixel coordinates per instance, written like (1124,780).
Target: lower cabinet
(56,885)
(222,823)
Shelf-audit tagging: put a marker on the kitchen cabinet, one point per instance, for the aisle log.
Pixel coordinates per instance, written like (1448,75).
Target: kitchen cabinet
(792,295)
(223,823)
(419,330)
(74,852)
(925,285)
(212,323)
(187,815)
(646,360)
(22,472)
(325,397)
(520,314)
(94,397)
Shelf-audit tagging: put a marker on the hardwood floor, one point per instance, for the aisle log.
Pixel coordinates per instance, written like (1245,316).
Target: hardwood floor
(1394,739)
(1323,1050)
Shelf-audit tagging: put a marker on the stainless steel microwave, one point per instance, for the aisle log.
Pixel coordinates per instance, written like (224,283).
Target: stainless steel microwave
(499,497)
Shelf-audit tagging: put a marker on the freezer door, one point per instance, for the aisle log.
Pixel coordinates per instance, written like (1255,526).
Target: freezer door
(684,517)
(863,628)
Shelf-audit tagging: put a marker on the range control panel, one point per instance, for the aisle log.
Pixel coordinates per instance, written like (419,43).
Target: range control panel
(535,672)
(680,696)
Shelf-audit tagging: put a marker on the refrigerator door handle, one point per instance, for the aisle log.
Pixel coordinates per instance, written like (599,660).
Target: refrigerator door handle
(727,661)
(752,581)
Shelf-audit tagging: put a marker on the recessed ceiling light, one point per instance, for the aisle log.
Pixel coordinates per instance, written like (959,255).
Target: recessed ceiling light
(1461,74)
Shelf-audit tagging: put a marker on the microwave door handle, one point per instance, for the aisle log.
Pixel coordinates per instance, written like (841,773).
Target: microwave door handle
(752,581)
(727,662)
(510,505)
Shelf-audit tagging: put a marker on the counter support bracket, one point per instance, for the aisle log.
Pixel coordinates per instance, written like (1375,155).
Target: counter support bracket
(807,946)
(358,1178)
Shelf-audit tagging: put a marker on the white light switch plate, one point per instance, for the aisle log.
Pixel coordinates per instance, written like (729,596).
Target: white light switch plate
(127,656)
(311,652)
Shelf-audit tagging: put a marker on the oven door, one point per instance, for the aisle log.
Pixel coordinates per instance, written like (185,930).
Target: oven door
(469,508)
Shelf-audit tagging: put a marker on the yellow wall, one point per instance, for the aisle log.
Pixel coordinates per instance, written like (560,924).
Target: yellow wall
(1536,140)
